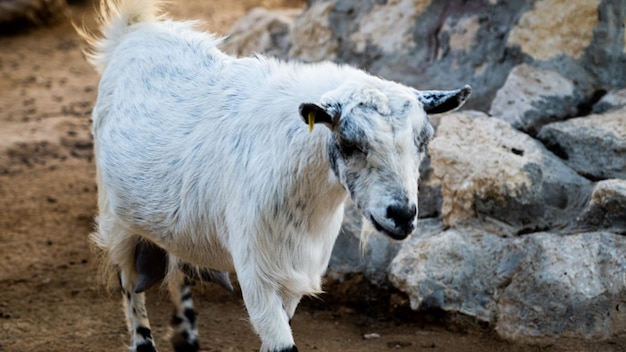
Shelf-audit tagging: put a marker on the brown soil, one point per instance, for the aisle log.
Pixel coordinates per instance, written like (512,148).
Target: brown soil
(51,297)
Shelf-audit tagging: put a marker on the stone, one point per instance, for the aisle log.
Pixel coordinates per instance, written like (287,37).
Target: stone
(594,145)
(492,173)
(555,27)
(261,32)
(388,26)
(451,271)
(312,38)
(607,207)
(532,97)
(612,100)
(531,289)
(429,192)
(565,286)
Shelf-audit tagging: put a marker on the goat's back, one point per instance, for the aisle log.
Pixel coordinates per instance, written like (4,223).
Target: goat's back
(190,141)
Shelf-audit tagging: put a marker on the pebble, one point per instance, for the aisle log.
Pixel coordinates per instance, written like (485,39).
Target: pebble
(371,336)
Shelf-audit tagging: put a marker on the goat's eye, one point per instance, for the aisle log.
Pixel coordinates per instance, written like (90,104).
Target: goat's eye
(349,148)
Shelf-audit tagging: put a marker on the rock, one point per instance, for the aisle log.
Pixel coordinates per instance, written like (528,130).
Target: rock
(594,146)
(613,100)
(261,32)
(429,192)
(388,26)
(371,336)
(452,271)
(565,286)
(607,207)
(532,288)
(553,27)
(312,38)
(532,97)
(494,174)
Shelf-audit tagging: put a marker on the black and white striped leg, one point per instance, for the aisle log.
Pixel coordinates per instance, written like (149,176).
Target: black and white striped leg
(185,332)
(291,349)
(136,314)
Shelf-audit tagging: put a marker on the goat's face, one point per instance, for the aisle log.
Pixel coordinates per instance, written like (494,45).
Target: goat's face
(379,136)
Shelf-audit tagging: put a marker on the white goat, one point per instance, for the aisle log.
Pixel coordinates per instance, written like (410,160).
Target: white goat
(207,160)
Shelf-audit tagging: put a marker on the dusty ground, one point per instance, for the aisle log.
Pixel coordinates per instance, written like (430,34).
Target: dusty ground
(51,298)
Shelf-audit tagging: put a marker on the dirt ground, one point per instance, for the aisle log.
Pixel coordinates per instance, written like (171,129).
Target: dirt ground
(51,297)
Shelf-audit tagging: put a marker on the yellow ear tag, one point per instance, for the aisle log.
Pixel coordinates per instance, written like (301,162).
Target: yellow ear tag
(311,120)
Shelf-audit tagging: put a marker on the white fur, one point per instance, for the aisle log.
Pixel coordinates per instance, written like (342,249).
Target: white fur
(207,156)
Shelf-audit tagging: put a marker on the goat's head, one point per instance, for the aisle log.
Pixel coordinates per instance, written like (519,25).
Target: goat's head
(379,135)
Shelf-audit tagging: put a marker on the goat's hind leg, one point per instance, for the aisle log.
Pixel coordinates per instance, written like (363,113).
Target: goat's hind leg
(185,333)
(136,314)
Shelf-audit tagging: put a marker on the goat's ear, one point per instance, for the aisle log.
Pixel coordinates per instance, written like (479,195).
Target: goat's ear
(313,113)
(438,101)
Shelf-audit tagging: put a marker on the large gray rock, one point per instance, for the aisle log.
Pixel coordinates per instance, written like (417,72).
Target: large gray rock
(429,192)
(607,208)
(261,32)
(594,146)
(312,38)
(453,271)
(532,97)
(612,100)
(565,286)
(532,288)
(496,174)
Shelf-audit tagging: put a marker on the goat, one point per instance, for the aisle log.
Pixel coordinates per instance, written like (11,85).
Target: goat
(211,161)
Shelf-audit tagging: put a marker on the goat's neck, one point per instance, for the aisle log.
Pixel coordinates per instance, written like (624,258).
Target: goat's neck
(314,185)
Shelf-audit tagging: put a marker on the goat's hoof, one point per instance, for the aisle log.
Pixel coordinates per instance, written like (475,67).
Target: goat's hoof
(289,349)
(145,347)
(182,344)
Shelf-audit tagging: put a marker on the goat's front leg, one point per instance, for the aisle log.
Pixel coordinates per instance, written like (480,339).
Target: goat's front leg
(290,303)
(266,310)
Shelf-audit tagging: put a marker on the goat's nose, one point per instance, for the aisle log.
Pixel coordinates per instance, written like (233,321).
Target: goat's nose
(401,214)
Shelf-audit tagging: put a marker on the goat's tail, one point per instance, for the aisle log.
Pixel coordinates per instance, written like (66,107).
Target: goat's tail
(116,18)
